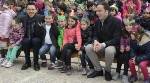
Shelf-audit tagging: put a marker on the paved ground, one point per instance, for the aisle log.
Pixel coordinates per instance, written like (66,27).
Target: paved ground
(16,75)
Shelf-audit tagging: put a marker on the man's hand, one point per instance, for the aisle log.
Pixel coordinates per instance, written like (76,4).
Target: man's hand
(61,47)
(122,50)
(77,47)
(80,52)
(40,24)
(133,60)
(98,47)
(128,48)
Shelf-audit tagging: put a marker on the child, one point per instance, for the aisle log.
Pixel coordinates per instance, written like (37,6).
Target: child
(15,39)
(81,12)
(21,9)
(62,8)
(140,53)
(73,5)
(114,12)
(118,3)
(6,17)
(86,34)
(91,13)
(50,35)
(131,7)
(49,8)
(144,21)
(125,53)
(61,26)
(71,33)
(40,6)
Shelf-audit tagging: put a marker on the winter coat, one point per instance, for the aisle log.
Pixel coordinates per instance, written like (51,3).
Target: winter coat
(136,7)
(60,37)
(71,33)
(108,32)
(92,16)
(119,16)
(124,42)
(16,36)
(145,23)
(6,18)
(141,50)
(21,12)
(54,33)
(86,37)
(118,4)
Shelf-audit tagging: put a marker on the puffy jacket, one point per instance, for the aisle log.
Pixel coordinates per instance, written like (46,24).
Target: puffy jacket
(60,37)
(119,16)
(145,23)
(126,6)
(124,42)
(86,37)
(71,33)
(141,50)
(6,18)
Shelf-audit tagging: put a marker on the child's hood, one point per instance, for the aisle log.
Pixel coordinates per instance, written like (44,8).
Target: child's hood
(10,12)
(119,16)
(145,39)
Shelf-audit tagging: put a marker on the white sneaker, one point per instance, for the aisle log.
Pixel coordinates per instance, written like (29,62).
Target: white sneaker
(1,60)
(9,64)
(4,63)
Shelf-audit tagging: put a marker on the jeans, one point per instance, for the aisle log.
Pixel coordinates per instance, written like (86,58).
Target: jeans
(143,67)
(52,50)
(84,57)
(36,44)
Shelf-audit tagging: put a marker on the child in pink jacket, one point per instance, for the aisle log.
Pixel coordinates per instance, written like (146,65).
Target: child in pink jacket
(131,7)
(72,36)
(6,17)
(114,12)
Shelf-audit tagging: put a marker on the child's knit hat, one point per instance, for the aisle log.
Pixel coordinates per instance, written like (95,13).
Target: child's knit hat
(114,6)
(86,20)
(39,5)
(81,6)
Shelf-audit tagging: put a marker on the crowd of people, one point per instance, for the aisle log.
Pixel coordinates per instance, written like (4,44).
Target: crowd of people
(114,29)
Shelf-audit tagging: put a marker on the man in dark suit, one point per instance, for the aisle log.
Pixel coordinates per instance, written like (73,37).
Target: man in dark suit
(106,41)
(33,35)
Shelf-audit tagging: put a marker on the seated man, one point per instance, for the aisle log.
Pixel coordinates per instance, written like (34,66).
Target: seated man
(33,35)
(107,34)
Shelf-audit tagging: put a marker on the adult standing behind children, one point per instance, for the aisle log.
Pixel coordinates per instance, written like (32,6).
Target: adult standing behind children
(33,35)
(107,34)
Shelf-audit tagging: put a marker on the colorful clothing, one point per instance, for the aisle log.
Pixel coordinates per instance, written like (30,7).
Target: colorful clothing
(60,37)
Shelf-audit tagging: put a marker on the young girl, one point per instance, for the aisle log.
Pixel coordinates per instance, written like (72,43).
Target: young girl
(140,53)
(86,34)
(71,33)
(125,52)
(15,39)
(21,9)
(6,17)
(131,7)
(114,12)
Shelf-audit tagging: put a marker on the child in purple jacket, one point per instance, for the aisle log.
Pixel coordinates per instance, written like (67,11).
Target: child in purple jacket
(125,52)
(15,38)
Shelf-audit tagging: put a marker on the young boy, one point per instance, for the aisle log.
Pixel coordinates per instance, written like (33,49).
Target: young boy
(144,21)
(50,35)
(62,8)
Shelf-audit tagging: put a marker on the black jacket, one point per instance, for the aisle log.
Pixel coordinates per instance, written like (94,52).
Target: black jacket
(109,33)
(54,33)
(145,23)
(38,19)
(86,37)
(118,4)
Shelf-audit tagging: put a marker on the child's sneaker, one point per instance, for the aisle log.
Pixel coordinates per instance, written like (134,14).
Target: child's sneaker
(51,66)
(9,64)
(132,78)
(44,63)
(84,71)
(115,76)
(146,80)
(124,79)
(1,60)
(4,63)
(59,64)
(68,70)
(90,72)
(64,69)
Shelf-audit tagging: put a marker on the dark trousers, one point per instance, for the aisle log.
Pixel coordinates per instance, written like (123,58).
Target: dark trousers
(124,57)
(35,43)
(58,53)
(68,49)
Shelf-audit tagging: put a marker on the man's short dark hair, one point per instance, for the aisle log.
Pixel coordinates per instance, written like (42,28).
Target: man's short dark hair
(106,6)
(32,3)
(90,4)
(63,7)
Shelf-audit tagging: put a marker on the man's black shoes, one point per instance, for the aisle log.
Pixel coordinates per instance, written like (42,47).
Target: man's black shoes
(95,73)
